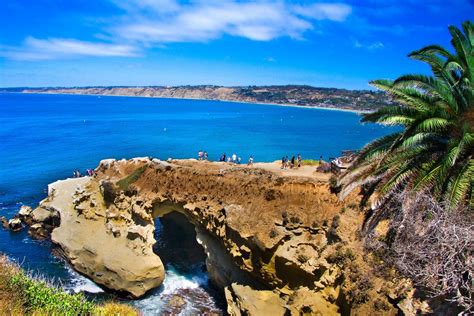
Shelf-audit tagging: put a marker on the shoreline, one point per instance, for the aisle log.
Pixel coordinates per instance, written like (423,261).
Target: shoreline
(202,99)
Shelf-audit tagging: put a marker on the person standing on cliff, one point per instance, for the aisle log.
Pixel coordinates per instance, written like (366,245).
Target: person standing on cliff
(299,161)
(250,163)
(200,154)
(292,165)
(205,155)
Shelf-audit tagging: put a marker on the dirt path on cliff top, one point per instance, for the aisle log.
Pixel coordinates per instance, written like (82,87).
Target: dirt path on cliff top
(303,171)
(275,167)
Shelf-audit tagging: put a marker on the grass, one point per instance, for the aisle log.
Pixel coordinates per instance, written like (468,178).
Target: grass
(125,183)
(310,162)
(21,294)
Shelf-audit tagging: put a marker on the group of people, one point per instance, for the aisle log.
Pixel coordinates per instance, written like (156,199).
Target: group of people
(232,159)
(292,163)
(202,155)
(89,172)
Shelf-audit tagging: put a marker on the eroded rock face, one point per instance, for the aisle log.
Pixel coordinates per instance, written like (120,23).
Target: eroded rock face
(243,300)
(103,242)
(260,229)
(287,241)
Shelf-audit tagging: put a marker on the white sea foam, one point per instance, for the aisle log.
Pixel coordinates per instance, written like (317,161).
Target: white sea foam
(79,283)
(154,304)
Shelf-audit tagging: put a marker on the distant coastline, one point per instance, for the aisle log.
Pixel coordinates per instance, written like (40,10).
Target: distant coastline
(356,101)
(313,107)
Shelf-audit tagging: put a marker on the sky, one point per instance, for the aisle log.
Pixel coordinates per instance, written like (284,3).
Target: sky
(220,42)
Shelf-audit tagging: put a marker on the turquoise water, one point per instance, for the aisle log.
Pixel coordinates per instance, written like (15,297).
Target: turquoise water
(45,137)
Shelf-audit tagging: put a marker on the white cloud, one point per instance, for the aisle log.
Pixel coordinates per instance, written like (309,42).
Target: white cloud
(376,45)
(204,21)
(54,48)
(158,22)
(155,5)
(325,11)
(369,46)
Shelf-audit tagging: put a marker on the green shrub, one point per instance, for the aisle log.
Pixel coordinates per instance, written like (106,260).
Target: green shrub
(295,220)
(40,296)
(334,185)
(21,294)
(273,233)
(341,256)
(358,293)
(309,162)
(125,183)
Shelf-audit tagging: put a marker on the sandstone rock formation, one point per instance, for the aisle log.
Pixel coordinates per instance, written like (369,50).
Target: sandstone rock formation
(243,300)
(101,242)
(15,224)
(282,244)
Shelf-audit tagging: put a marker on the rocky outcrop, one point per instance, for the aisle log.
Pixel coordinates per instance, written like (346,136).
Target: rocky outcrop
(101,242)
(243,300)
(15,224)
(282,244)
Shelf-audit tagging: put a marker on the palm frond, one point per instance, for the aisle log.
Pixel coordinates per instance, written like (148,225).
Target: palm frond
(434,150)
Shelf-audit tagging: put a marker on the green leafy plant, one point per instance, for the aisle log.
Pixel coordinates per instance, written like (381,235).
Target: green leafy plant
(310,162)
(433,151)
(40,296)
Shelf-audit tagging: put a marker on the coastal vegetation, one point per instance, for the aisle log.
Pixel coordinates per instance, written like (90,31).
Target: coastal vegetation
(125,183)
(310,162)
(22,294)
(298,95)
(421,178)
(434,150)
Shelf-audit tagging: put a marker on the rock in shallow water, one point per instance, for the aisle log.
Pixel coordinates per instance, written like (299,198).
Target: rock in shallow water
(38,231)
(15,224)
(25,211)
(4,221)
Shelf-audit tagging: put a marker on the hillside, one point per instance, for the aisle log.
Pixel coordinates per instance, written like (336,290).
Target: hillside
(356,100)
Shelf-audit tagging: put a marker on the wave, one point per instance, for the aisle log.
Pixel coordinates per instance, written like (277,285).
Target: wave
(78,283)
(191,290)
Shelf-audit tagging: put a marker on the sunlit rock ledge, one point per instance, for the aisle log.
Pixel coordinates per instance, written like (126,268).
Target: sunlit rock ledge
(276,241)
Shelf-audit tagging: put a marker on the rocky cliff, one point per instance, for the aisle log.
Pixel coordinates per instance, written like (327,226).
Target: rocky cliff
(276,244)
(358,100)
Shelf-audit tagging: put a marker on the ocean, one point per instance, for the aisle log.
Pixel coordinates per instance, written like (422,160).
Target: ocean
(44,138)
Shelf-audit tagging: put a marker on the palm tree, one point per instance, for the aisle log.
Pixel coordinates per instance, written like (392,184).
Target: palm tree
(433,151)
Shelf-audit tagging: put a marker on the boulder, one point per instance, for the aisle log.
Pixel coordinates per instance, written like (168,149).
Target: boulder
(15,224)
(307,302)
(37,231)
(112,260)
(25,214)
(243,300)
(176,303)
(43,215)
(25,211)
(4,221)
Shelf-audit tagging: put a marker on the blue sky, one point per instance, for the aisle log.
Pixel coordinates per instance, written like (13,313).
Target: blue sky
(165,42)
